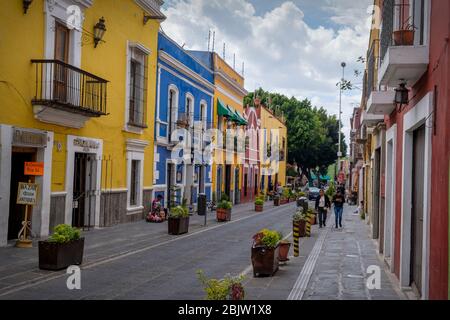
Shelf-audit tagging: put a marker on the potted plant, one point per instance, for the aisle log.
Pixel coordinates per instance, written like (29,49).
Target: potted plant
(405,36)
(299,221)
(276,200)
(285,196)
(300,201)
(265,251)
(229,288)
(284,247)
(223,212)
(292,196)
(62,249)
(259,204)
(178,222)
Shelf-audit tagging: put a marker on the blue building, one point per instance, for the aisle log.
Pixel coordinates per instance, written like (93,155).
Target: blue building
(184,111)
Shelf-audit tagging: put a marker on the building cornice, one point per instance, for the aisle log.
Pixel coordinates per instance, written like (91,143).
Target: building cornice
(222,75)
(152,7)
(177,65)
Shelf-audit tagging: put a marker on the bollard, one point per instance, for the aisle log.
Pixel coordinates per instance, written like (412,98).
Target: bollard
(296,235)
(308,224)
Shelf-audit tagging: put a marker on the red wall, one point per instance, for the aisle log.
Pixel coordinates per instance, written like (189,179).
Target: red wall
(438,75)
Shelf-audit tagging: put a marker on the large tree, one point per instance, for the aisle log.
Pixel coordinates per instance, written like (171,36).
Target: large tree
(313,134)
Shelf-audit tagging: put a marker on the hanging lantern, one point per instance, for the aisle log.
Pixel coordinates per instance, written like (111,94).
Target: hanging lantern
(99,31)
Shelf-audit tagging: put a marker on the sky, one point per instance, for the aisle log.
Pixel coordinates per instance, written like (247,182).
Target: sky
(291,47)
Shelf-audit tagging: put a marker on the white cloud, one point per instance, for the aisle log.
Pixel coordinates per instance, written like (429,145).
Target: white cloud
(281,51)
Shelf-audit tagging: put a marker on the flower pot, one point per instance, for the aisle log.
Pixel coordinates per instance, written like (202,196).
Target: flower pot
(404,37)
(178,225)
(283,251)
(301,225)
(276,202)
(264,260)
(259,208)
(223,215)
(58,256)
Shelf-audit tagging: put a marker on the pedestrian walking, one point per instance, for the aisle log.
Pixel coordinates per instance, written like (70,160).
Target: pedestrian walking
(338,201)
(322,206)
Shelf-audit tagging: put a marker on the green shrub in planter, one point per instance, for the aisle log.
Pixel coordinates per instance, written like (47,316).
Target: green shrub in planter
(225,204)
(64,233)
(179,212)
(259,202)
(229,288)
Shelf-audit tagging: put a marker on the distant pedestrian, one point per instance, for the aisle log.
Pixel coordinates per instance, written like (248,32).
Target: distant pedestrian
(322,206)
(338,201)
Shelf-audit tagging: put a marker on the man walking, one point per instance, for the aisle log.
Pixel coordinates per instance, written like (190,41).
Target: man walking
(322,205)
(338,201)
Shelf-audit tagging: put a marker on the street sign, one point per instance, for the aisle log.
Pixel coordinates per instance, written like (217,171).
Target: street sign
(34,169)
(27,193)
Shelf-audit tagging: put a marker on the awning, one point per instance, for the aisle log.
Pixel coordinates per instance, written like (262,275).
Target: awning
(240,119)
(223,110)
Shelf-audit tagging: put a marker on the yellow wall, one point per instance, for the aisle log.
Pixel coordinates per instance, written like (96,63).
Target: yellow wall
(24,35)
(221,65)
(270,122)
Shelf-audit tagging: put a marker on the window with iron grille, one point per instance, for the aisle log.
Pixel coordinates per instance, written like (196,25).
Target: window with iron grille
(137,88)
(134,185)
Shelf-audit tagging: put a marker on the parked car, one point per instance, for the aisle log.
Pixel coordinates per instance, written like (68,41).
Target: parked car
(313,193)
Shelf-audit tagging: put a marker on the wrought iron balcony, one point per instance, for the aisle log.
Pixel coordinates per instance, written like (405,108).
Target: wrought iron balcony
(69,89)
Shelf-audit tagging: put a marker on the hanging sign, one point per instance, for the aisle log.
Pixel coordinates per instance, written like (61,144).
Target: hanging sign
(27,193)
(34,169)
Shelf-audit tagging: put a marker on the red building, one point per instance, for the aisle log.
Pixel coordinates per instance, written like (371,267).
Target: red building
(251,174)
(414,59)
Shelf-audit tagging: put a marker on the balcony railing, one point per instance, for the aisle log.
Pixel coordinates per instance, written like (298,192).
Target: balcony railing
(68,88)
(388,27)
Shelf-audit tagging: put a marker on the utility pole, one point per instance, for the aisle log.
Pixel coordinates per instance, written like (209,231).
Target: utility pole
(343,65)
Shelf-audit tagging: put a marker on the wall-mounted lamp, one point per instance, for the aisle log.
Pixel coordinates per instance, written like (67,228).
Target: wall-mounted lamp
(26,5)
(401,95)
(99,31)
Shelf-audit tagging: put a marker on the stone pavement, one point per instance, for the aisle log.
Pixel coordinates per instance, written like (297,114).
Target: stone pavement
(340,271)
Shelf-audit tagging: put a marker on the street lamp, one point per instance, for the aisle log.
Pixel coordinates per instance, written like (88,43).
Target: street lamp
(343,65)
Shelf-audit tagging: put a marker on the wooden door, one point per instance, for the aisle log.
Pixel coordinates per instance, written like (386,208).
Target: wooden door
(62,39)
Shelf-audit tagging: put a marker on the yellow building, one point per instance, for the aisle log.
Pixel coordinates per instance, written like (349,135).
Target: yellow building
(273,135)
(77,94)
(229,93)
(373,134)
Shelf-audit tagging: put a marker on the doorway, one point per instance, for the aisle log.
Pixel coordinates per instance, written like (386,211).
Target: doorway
(62,39)
(417,200)
(376,195)
(84,184)
(228,180)
(17,211)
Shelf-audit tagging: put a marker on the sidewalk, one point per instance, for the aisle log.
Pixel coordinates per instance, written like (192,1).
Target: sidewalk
(343,256)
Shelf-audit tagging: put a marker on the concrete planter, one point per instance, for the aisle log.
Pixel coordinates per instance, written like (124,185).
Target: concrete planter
(58,256)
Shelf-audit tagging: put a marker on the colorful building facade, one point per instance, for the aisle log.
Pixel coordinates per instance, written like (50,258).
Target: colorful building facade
(409,146)
(273,150)
(77,95)
(229,121)
(184,111)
